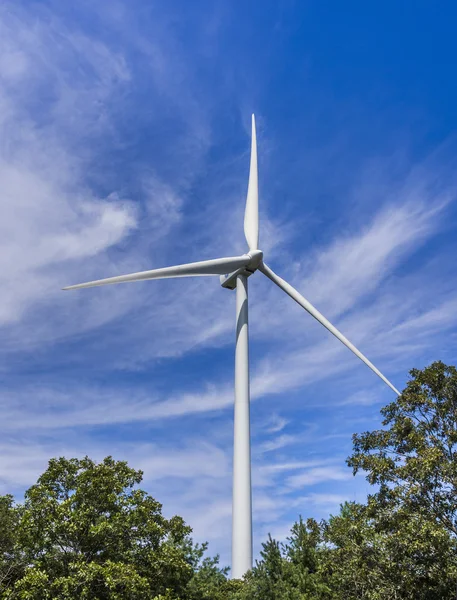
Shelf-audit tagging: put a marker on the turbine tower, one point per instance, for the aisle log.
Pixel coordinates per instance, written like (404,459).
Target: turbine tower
(234,273)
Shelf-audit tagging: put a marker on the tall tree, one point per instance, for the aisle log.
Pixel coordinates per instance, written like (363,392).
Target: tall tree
(289,571)
(12,563)
(269,579)
(414,458)
(86,531)
(382,551)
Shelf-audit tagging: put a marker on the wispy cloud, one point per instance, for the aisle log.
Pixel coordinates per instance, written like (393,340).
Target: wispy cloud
(276,424)
(355,263)
(47,409)
(317,475)
(279,442)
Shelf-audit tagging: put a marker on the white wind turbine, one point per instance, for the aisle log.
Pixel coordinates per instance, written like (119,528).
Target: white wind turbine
(234,273)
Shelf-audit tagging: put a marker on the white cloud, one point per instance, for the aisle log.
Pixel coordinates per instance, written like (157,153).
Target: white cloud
(325,499)
(276,424)
(56,230)
(361,398)
(47,409)
(48,216)
(316,475)
(354,264)
(200,459)
(278,442)
(294,465)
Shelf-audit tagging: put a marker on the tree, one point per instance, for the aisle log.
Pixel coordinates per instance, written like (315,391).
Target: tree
(304,550)
(209,581)
(415,458)
(12,564)
(268,578)
(289,571)
(86,531)
(378,551)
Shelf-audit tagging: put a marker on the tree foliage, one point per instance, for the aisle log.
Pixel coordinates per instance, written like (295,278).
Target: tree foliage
(86,531)
(378,551)
(289,571)
(414,459)
(12,563)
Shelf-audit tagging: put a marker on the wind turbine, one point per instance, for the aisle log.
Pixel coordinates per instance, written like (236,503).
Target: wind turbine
(234,272)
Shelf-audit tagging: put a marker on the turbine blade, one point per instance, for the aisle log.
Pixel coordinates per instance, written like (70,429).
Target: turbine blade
(217,266)
(295,295)
(251,215)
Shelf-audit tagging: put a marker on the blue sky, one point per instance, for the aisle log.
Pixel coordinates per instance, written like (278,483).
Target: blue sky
(125,133)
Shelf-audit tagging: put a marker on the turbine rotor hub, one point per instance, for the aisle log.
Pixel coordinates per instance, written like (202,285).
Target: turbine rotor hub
(256,257)
(229,281)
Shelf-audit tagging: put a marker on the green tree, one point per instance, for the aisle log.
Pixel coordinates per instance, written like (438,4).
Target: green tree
(209,581)
(268,578)
(414,459)
(381,551)
(289,571)
(86,531)
(304,550)
(12,563)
